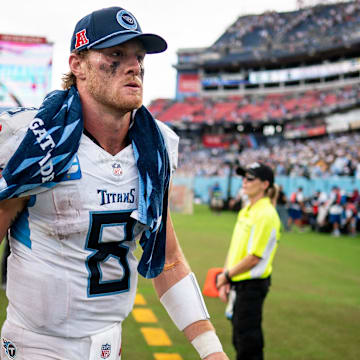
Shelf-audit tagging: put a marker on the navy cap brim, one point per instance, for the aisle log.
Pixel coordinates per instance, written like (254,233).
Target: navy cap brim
(242,171)
(263,177)
(152,43)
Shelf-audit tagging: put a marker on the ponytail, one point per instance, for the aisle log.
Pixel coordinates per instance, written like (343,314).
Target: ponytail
(272,192)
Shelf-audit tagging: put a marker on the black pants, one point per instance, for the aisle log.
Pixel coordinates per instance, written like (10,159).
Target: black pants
(248,337)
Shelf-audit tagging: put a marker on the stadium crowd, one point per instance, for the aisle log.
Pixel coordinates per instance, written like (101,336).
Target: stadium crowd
(311,158)
(332,156)
(336,212)
(311,29)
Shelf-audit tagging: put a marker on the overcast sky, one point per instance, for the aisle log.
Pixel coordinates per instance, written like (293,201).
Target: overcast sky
(183,24)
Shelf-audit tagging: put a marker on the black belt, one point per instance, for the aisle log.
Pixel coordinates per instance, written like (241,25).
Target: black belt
(251,282)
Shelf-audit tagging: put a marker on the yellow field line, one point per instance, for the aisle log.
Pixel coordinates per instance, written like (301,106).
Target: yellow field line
(139,300)
(164,356)
(144,315)
(153,336)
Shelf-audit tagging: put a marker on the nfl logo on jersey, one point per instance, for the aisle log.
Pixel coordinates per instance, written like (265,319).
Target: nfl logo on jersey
(105,351)
(117,170)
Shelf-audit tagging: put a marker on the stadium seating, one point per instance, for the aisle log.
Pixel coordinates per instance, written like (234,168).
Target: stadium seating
(279,34)
(275,107)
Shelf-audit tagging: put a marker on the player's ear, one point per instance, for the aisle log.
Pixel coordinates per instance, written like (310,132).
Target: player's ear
(77,65)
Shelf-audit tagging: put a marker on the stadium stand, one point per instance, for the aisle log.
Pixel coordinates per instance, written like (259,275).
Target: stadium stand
(282,34)
(267,80)
(310,158)
(255,108)
(283,88)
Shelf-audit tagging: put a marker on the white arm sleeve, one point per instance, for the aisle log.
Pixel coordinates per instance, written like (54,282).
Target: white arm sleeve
(184,302)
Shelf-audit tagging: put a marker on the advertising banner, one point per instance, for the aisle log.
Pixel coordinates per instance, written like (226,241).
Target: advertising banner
(215,141)
(25,70)
(188,84)
(305,72)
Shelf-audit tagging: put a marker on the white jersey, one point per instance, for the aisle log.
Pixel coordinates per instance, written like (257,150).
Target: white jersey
(72,271)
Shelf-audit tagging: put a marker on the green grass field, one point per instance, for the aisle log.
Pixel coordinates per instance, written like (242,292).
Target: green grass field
(311,313)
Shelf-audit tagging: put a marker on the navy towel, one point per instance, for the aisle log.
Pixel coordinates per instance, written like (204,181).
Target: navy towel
(48,149)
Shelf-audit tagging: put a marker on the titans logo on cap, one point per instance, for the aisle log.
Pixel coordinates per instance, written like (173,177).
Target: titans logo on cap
(126,20)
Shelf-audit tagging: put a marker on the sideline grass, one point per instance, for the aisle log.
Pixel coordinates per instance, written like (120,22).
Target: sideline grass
(311,313)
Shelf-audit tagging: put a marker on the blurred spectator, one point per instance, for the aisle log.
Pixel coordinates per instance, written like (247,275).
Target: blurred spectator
(282,208)
(335,210)
(355,197)
(216,198)
(349,223)
(296,209)
(240,200)
(315,201)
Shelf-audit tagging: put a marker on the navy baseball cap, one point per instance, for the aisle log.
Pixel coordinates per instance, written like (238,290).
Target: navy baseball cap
(259,170)
(112,26)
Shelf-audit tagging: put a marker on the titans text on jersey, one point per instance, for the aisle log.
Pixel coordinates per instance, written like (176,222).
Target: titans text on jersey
(109,197)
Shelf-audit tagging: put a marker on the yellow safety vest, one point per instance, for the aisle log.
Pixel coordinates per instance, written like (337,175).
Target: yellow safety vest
(256,232)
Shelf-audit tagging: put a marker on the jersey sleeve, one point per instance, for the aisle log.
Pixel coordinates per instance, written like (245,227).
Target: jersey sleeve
(13,127)
(172,144)
(262,233)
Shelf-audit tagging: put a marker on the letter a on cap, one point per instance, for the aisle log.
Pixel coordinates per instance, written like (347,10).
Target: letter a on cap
(81,39)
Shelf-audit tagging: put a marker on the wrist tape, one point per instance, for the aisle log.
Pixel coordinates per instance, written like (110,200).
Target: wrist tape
(184,302)
(207,343)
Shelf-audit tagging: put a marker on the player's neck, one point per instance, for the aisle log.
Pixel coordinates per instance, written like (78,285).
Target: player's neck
(108,125)
(109,131)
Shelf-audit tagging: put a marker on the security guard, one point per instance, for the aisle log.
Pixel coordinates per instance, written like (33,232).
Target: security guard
(248,265)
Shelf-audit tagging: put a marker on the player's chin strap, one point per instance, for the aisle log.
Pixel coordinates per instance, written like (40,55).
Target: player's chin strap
(185,305)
